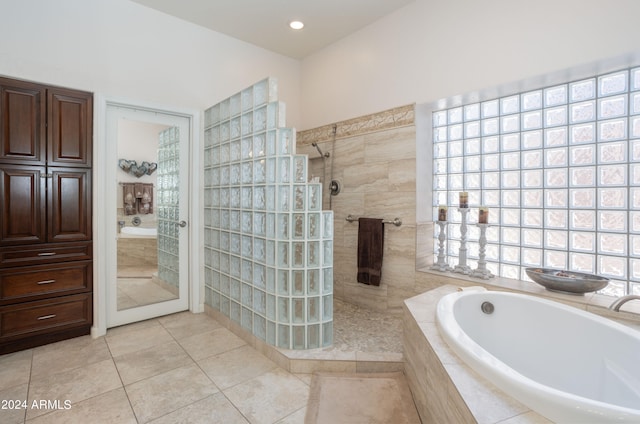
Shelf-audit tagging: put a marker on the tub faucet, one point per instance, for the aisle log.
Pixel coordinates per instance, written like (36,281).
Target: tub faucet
(615,306)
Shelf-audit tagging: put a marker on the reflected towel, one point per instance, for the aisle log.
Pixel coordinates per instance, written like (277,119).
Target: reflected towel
(145,201)
(129,198)
(370,248)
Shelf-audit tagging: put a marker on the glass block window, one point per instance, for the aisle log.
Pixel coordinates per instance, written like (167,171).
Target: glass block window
(559,170)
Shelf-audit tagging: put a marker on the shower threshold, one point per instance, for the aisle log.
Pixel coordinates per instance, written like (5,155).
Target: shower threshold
(364,341)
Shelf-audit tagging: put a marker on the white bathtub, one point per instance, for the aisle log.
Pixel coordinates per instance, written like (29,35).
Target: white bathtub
(566,364)
(138,232)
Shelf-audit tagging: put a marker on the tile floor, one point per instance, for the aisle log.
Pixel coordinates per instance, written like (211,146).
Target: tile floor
(137,287)
(179,368)
(139,291)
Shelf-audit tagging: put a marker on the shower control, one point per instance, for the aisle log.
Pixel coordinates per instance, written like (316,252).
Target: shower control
(334,187)
(182,224)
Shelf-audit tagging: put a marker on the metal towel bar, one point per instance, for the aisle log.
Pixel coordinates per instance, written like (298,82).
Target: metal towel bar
(396,221)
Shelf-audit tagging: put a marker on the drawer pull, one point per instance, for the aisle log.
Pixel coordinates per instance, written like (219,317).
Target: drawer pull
(46,282)
(46,254)
(46,317)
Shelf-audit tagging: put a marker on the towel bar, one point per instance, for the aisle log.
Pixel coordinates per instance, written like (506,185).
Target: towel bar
(396,221)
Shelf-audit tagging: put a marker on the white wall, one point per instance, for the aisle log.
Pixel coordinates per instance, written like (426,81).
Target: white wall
(137,140)
(432,49)
(122,49)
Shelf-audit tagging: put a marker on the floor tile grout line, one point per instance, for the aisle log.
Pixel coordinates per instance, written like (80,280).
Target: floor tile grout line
(293,413)
(194,362)
(178,337)
(124,389)
(178,409)
(240,382)
(24,417)
(215,354)
(200,368)
(222,391)
(73,369)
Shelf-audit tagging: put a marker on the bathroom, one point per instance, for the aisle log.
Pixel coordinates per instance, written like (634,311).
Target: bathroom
(137,245)
(414,56)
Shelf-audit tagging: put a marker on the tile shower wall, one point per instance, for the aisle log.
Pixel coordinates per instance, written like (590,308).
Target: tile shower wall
(374,158)
(167,205)
(268,243)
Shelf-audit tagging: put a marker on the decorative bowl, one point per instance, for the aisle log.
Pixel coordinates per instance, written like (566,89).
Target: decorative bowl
(567,281)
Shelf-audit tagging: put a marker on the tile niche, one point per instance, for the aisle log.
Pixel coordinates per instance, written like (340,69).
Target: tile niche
(268,243)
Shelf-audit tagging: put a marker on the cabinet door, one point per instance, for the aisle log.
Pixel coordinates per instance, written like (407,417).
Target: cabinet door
(23,214)
(70,131)
(22,122)
(69,204)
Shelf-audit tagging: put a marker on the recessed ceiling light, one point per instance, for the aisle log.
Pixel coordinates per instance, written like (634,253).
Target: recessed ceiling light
(296,25)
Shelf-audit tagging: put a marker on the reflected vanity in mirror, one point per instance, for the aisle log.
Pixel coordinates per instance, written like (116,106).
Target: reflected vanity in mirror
(142,203)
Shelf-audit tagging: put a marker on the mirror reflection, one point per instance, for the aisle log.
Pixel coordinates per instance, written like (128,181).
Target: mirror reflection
(137,213)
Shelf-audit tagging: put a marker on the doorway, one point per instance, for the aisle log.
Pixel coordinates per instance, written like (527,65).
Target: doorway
(147,175)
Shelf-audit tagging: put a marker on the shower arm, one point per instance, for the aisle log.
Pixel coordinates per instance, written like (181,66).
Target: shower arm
(322,155)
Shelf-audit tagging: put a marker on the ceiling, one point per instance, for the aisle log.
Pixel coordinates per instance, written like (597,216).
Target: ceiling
(265,22)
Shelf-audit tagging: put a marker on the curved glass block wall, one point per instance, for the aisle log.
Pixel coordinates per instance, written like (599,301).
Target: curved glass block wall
(268,243)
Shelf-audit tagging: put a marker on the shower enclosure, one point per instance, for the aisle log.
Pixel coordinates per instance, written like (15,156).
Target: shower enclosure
(268,243)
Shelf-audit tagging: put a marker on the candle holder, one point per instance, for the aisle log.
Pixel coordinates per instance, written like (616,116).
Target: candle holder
(482,271)
(441,264)
(462,267)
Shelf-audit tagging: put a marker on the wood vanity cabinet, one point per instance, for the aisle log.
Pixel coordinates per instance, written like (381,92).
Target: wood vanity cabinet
(45,216)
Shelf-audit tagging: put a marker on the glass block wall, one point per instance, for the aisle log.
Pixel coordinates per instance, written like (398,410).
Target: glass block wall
(559,168)
(268,243)
(167,205)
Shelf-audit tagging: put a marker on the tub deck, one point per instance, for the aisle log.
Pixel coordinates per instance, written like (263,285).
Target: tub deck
(444,388)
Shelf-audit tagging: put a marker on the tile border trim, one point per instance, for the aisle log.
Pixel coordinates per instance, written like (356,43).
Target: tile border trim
(392,118)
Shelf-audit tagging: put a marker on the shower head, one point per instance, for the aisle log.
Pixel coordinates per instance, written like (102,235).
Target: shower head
(323,155)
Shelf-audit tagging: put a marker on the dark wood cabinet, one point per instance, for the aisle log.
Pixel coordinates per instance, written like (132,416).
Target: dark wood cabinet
(23,113)
(24,216)
(45,216)
(69,126)
(69,204)
(39,282)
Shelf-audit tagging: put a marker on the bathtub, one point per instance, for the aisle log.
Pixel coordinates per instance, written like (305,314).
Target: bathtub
(138,232)
(566,364)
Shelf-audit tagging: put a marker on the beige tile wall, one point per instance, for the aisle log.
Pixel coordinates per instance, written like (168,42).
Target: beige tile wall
(374,159)
(137,252)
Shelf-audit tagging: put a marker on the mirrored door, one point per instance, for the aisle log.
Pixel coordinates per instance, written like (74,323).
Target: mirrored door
(150,214)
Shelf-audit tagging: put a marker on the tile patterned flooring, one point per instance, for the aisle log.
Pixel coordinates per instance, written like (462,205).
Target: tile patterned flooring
(178,368)
(139,291)
(136,287)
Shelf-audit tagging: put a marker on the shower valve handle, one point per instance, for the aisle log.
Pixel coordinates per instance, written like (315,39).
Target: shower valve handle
(182,224)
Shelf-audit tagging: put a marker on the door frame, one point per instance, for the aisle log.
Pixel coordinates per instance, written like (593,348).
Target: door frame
(104,229)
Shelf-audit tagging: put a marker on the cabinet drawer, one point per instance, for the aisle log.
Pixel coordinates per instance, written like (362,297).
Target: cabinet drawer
(43,316)
(44,280)
(42,254)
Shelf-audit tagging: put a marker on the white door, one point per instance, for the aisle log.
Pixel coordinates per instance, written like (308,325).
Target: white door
(147,272)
